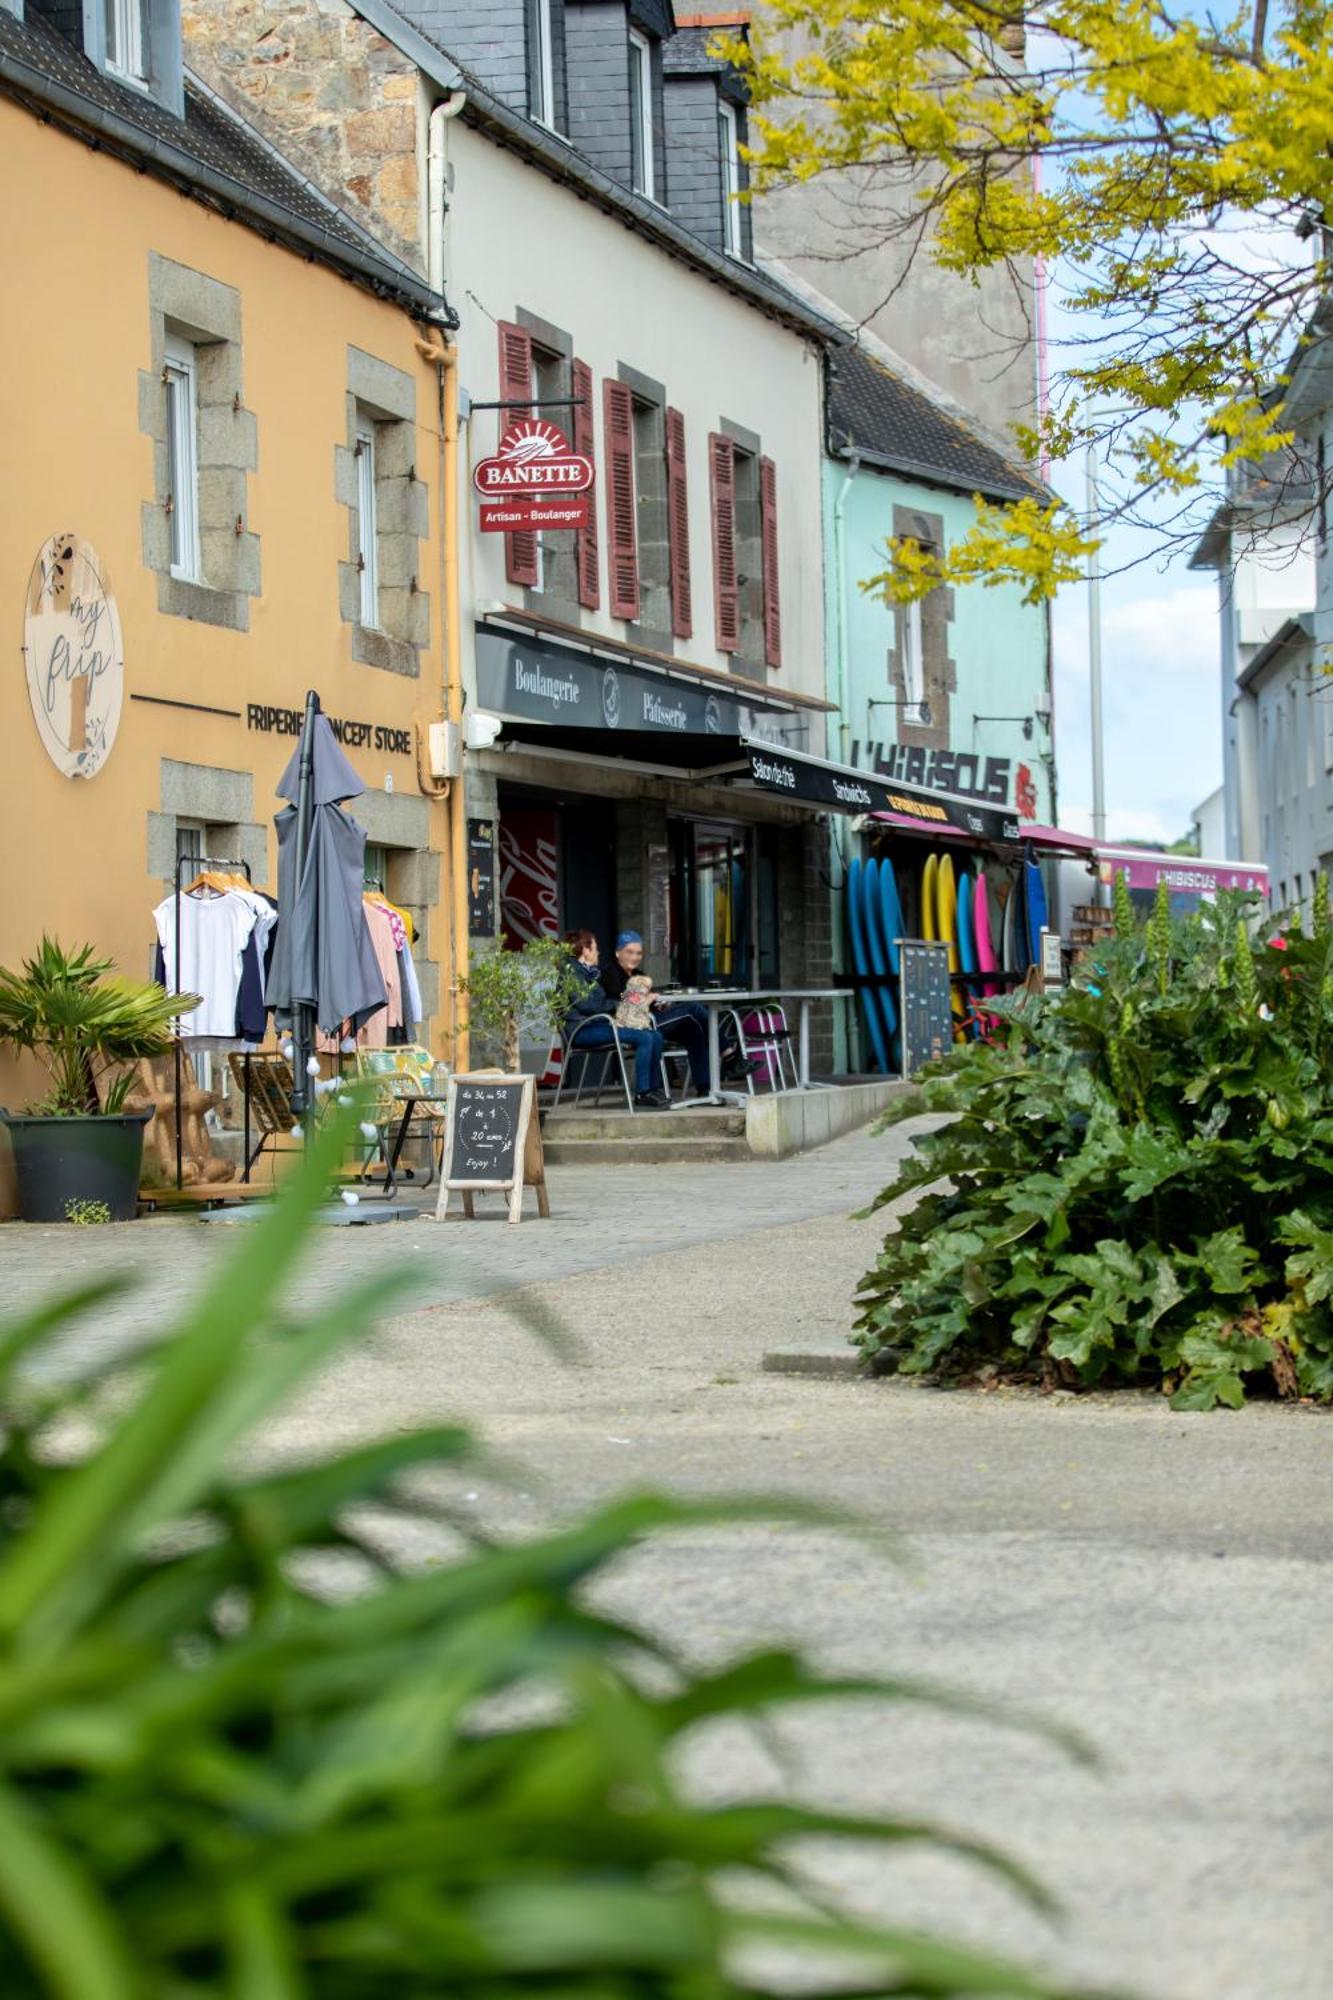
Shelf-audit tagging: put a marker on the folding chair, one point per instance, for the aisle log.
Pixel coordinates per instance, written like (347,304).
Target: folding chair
(765,1039)
(613,1051)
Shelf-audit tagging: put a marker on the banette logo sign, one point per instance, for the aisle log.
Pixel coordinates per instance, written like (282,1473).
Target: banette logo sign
(73,654)
(534,480)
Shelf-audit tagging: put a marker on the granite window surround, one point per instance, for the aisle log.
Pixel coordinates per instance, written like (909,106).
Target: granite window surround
(552,381)
(187,306)
(653,626)
(381,401)
(749,654)
(936,677)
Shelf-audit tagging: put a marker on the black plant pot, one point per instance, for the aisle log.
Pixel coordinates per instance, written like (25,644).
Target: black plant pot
(60,1160)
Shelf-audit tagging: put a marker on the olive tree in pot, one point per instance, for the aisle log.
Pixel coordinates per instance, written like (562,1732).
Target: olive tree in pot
(79,1143)
(510,990)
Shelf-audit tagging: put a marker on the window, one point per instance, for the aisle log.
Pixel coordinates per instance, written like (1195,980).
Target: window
(367,519)
(642,174)
(125,42)
(913,659)
(541,63)
(180,375)
(729,153)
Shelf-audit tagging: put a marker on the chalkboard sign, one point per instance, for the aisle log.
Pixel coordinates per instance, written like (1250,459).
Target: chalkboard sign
(485,1138)
(924,1011)
(480,878)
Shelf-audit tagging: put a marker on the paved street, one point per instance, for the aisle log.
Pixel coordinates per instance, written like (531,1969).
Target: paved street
(1160,1581)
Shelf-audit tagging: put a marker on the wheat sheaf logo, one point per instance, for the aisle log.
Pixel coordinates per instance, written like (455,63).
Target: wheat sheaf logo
(533,457)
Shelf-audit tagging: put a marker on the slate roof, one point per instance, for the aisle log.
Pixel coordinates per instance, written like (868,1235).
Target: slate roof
(211,148)
(877,414)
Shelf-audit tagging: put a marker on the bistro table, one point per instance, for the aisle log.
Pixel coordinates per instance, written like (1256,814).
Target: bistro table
(409,1099)
(717,998)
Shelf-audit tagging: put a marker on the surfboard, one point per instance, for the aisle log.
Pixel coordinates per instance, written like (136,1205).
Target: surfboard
(891,925)
(854,890)
(877,949)
(946,922)
(981,931)
(928,875)
(1035,904)
(967,956)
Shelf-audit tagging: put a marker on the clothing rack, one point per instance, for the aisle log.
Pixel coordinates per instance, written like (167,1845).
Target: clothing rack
(196,864)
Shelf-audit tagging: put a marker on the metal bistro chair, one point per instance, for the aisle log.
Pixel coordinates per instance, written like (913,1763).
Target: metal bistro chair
(765,1039)
(610,1052)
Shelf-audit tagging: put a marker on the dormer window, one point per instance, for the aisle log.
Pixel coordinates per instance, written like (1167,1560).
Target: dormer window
(729,154)
(126,42)
(642,175)
(136,42)
(541,63)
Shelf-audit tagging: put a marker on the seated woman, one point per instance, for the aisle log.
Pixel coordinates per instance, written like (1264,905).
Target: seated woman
(681,1023)
(586,1025)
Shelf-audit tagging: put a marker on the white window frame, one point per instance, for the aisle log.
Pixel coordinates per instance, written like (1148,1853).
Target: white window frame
(641,69)
(911,655)
(367,524)
(543,65)
(126,50)
(729,144)
(180,376)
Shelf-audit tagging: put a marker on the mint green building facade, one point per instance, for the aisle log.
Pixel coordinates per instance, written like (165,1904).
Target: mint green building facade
(953,694)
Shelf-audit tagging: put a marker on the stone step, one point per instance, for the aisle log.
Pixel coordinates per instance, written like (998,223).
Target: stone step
(710,1122)
(643,1152)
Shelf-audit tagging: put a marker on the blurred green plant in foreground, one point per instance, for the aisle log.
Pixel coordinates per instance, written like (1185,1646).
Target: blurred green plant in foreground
(217,1779)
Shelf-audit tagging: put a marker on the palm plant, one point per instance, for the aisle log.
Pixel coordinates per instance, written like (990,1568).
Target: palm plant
(82,1022)
(219,1776)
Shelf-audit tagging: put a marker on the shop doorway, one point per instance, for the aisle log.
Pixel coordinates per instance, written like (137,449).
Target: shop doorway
(557,866)
(724,903)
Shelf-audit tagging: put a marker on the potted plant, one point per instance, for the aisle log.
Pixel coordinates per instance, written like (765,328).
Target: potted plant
(533,988)
(79,1143)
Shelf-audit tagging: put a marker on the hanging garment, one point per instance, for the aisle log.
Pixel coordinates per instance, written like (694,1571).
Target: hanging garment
(381,928)
(407,973)
(214,932)
(324,957)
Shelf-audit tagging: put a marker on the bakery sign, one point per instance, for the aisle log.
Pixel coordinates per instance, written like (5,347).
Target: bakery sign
(534,481)
(73,656)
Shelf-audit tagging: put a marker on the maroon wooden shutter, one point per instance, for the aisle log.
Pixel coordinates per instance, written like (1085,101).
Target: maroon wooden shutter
(622,539)
(516,387)
(768,531)
(678,526)
(586,550)
(722,488)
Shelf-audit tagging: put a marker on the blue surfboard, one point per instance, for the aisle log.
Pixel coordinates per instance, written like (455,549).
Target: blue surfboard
(1035,905)
(878,950)
(967,949)
(855,894)
(891,920)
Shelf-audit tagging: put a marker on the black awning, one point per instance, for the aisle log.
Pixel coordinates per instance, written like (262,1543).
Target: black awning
(843,788)
(793,775)
(684,750)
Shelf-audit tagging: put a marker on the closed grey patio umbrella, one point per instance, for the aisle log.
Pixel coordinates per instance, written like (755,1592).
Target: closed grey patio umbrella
(324,969)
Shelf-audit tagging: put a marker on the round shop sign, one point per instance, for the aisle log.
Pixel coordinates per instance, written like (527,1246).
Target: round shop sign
(73,654)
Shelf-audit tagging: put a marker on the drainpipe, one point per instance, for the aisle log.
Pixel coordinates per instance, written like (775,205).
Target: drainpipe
(840,579)
(444,355)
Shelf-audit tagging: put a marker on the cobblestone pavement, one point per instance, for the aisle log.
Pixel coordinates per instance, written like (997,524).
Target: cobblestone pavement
(1160,1581)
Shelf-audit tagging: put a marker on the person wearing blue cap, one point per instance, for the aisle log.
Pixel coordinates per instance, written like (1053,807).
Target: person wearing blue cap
(588,1023)
(681,1023)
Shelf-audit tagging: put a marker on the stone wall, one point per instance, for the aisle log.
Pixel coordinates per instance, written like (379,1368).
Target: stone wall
(330,91)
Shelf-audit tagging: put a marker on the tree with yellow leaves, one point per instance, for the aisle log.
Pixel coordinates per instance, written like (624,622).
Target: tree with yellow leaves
(1171,172)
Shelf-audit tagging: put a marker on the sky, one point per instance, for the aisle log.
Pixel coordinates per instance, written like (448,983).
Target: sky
(1161,696)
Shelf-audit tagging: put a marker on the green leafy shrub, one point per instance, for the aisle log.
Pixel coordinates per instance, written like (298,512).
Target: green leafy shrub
(82,1022)
(218,1779)
(1137,1186)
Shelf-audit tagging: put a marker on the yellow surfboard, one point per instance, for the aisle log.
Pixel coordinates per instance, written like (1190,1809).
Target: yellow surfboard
(946,921)
(928,873)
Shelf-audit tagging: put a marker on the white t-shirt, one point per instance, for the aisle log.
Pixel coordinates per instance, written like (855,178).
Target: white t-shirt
(214,933)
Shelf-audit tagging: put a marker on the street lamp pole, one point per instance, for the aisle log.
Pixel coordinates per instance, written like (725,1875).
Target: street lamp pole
(1095,657)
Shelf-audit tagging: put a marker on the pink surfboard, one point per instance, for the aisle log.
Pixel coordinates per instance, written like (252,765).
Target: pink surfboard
(985,950)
